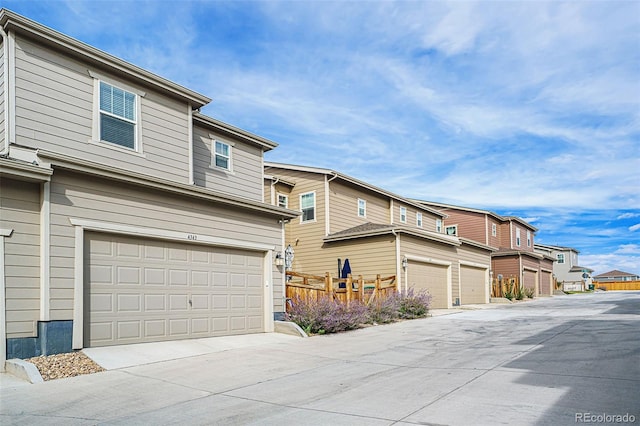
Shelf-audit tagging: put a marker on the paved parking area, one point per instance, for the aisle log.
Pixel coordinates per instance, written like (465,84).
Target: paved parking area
(549,361)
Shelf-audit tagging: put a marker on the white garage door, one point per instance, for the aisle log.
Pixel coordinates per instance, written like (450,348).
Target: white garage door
(432,278)
(472,285)
(151,290)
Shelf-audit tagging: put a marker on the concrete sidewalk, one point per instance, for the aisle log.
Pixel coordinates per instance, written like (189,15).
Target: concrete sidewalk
(123,356)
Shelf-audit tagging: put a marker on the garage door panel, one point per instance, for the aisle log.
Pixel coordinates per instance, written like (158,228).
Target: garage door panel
(128,330)
(152,252)
(155,302)
(101,302)
(155,328)
(200,278)
(130,250)
(179,327)
(150,290)
(128,275)
(178,277)
(430,277)
(129,303)
(101,274)
(472,285)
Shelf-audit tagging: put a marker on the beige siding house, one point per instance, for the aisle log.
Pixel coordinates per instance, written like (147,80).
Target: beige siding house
(513,239)
(125,214)
(378,232)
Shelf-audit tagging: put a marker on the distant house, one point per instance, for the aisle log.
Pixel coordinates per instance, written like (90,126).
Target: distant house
(379,232)
(616,275)
(513,238)
(566,267)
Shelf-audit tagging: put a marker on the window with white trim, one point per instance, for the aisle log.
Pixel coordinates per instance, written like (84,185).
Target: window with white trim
(118,116)
(222,155)
(494,229)
(560,257)
(308,207)
(451,230)
(419,220)
(362,207)
(438,225)
(403,214)
(528,238)
(283,201)
(518,237)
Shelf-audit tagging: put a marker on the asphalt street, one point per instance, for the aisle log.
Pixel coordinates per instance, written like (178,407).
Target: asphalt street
(552,361)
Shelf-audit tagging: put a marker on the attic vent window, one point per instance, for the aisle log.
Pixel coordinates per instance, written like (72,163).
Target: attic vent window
(117,116)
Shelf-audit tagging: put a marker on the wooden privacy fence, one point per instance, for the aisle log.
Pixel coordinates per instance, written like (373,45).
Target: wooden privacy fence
(500,288)
(313,287)
(617,285)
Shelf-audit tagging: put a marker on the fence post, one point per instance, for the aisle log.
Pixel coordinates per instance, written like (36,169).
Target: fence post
(349,287)
(328,285)
(361,288)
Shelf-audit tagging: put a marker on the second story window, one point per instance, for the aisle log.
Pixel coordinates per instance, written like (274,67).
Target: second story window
(362,208)
(560,257)
(283,201)
(308,207)
(438,225)
(419,220)
(528,238)
(222,156)
(518,237)
(403,214)
(494,229)
(451,230)
(118,117)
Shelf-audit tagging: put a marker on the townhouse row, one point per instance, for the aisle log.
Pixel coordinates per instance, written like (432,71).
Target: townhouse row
(128,216)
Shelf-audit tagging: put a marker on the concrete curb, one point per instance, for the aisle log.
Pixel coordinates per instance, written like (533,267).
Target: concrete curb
(287,327)
(23,370)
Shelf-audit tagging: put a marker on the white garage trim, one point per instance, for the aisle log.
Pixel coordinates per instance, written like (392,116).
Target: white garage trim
(430,260)
(82,225)
(3,300)
(139,231)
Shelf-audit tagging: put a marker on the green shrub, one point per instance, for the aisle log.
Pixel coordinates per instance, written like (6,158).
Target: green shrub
(529,292)
(508,291)
(519,293)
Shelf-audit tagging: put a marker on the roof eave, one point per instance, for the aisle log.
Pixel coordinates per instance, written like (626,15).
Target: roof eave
(83,166)
(12,21)
(228,129)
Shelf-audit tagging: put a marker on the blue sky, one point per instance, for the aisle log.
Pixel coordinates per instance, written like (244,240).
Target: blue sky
(523,108)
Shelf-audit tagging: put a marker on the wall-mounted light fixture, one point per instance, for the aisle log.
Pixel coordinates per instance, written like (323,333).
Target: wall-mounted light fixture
(279,260)
(405,263)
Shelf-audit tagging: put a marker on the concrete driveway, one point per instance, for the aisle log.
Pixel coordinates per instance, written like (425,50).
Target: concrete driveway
(549,361)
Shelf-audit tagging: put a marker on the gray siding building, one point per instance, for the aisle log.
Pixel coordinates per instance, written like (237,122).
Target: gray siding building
(126,215)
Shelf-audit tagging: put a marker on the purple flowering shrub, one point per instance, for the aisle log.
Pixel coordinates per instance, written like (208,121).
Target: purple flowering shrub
(414,304)
(326,315)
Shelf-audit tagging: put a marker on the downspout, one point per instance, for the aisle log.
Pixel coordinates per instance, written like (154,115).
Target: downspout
(6,95)
(272,194)
(191,177)
(327,227)
(399,264)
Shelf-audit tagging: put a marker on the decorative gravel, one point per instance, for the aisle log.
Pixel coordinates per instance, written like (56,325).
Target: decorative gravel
(64,365)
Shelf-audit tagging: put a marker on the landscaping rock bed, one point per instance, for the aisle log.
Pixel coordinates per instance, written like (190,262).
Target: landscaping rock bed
(64,365)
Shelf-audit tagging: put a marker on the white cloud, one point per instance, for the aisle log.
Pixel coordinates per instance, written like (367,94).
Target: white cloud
(628,215)
(635,227)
